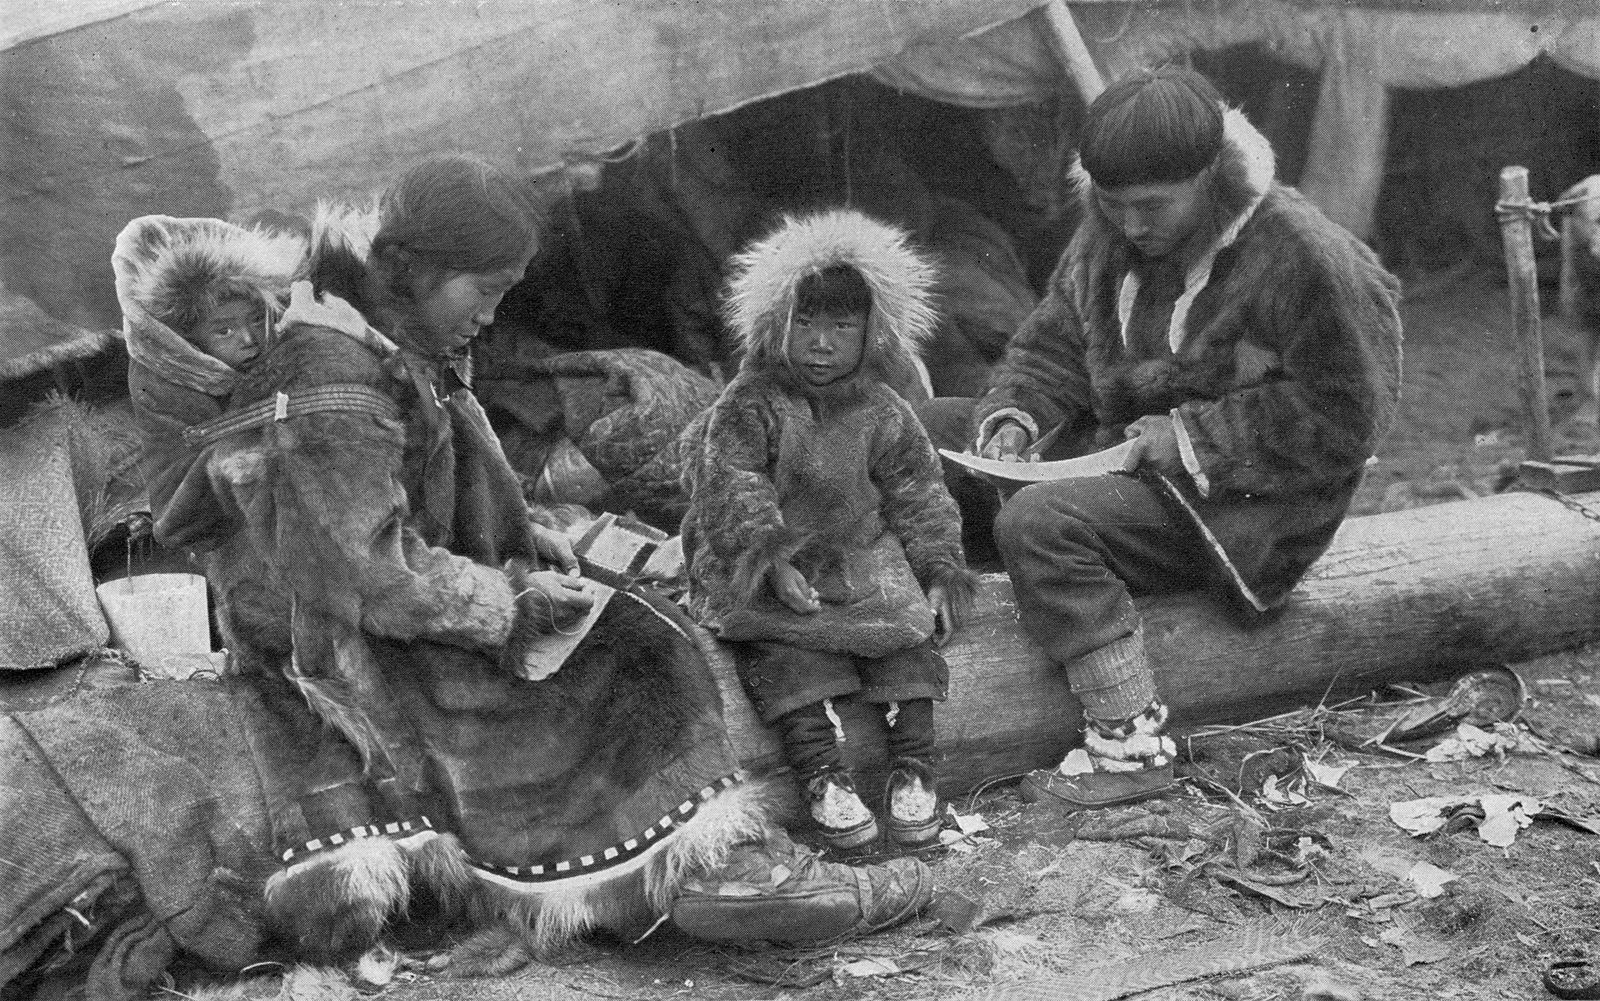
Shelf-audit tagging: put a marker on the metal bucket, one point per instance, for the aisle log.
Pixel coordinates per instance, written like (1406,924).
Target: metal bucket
(159,620)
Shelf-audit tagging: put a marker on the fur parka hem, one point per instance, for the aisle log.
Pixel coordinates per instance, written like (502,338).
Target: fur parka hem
(841,480)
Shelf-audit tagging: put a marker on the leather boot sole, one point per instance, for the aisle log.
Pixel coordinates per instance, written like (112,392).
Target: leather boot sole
(1095,790)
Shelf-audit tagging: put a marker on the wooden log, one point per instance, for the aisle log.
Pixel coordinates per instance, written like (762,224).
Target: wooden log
(1516,232)
(1410,595)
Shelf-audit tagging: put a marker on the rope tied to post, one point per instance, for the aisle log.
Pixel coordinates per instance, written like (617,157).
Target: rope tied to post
(1538,214)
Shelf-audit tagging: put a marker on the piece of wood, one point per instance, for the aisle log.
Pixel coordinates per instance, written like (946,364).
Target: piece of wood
(1566,477)
(1066,41)
(1568,288)
(1516,232)
(1410,595)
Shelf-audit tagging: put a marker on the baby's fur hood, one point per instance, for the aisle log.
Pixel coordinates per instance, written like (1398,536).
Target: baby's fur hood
(761,291)
(165,266)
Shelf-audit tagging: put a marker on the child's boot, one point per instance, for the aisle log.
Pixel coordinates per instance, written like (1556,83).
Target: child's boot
(911,802)
(837,808)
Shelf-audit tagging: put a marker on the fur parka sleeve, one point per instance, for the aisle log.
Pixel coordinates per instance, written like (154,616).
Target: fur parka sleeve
(323,503)
(734,504)
(918,508)
(1328,339)
(1041,380)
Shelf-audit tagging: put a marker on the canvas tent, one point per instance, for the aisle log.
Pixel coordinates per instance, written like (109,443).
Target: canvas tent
(115,108)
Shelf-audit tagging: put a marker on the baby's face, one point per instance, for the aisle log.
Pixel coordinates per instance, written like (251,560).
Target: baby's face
(825,347)
(233,333)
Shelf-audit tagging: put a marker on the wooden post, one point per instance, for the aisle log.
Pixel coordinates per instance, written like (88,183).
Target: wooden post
(1516,232)
(1067,43)
(1569,269)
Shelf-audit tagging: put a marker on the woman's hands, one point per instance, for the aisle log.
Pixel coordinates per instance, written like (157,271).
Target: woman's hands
(792,588)
(555,549)
(555,602)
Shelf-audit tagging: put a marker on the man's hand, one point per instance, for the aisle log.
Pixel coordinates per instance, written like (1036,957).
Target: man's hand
(555,549)
(944,614)
(564,599)
(1155,444)
(792,588)
(1007,443)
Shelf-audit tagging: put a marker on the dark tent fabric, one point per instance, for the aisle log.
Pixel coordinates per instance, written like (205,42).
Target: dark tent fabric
(200,109)
(229,110)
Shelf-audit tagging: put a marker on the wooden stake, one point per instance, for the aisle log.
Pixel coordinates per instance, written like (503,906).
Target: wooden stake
(1067,43)
(1516,232)
(1569,269)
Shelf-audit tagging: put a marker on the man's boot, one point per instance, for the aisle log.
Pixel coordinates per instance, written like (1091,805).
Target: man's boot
(1128,756)
(780,891)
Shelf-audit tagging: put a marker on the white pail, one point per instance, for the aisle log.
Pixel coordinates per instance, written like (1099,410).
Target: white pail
(159,619)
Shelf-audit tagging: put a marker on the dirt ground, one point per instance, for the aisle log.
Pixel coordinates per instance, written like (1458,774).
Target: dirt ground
(1039,897)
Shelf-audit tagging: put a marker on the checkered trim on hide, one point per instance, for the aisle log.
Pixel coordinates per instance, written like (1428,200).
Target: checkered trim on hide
(393,829)
(1151,719)
(619,853)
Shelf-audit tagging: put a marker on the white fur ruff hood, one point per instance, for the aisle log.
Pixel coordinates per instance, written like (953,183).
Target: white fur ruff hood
(761,291)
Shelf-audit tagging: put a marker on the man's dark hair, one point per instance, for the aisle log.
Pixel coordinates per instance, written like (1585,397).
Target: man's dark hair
(838,288)
(1154,127)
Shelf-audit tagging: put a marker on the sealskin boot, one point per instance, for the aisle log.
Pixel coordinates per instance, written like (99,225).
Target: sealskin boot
(837,808)
(911,803)
(1123,761)
(780,891)
(1094,790)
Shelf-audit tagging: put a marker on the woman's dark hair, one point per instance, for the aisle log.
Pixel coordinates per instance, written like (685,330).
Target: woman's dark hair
(838,288)
(456,213)
(1154,127)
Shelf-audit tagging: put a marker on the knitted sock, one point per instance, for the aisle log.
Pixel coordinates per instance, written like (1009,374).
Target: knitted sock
(1114,682)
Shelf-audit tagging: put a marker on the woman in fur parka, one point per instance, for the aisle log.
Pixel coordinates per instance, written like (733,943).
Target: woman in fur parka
(1249,347)
(820,537)
(372,557)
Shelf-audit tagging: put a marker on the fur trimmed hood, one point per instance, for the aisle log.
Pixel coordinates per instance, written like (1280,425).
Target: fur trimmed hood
(761,292)
(167,266)
(341,243)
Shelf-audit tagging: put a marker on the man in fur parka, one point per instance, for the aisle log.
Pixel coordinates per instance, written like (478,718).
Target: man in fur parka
(1250,349)
(820,537)
(372,558)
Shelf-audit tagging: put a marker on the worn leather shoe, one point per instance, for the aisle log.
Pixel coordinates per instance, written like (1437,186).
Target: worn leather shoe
(1094,790)
(834,804)
(783,892)
(911,803)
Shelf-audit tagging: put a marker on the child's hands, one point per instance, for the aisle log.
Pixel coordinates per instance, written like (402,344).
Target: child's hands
(944,614)
(793,589)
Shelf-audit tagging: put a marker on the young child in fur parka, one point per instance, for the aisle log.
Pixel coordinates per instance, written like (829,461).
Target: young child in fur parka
(820,538)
